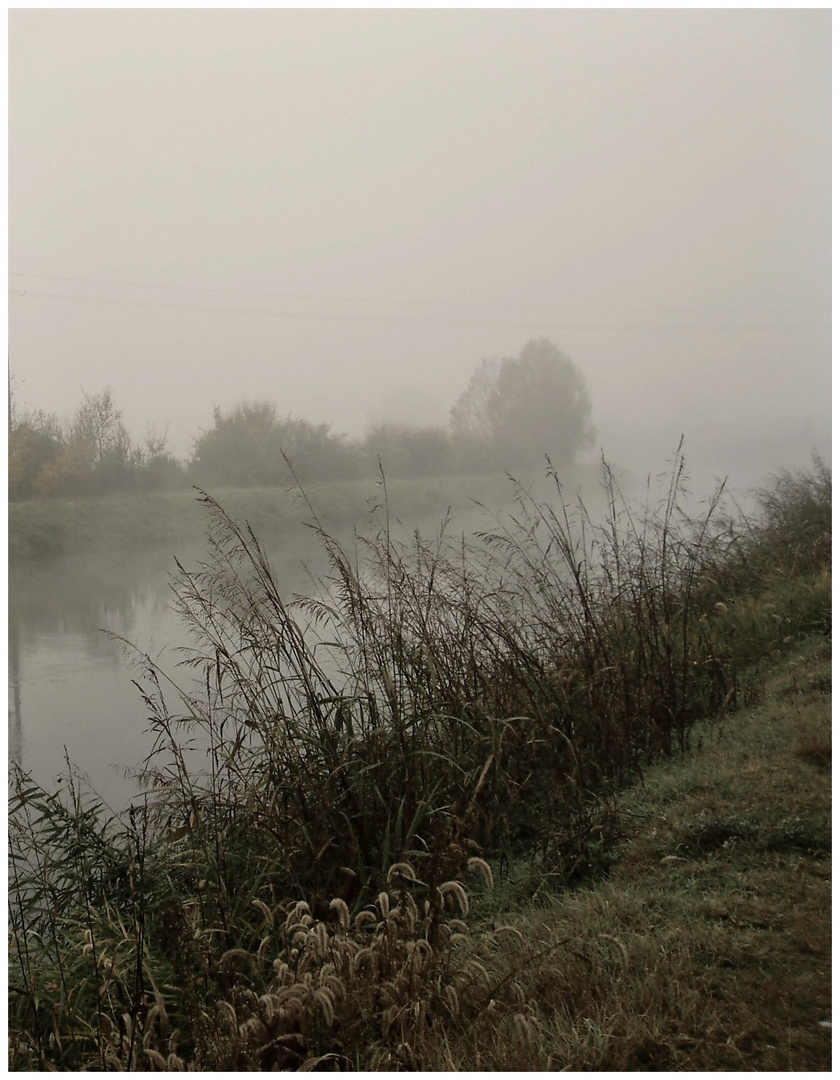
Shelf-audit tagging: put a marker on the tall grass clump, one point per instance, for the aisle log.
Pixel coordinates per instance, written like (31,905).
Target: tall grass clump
(774,584)
(793,530)
(335,771)
(439,697)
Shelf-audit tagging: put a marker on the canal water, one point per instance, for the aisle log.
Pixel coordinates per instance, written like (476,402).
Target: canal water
(70,688)
(70,680)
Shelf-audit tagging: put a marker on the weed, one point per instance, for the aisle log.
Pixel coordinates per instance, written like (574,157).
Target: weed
(336,778)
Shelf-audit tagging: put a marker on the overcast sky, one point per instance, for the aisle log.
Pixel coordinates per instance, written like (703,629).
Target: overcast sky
(346,211)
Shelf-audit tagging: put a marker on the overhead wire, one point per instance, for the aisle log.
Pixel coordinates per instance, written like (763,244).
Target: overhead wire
(381,300)
(321,316)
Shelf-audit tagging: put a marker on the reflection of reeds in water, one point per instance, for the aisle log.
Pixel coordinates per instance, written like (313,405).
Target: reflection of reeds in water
(15,727)
(300,901)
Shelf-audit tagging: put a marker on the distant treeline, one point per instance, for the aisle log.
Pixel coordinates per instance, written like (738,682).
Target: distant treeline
(512,412)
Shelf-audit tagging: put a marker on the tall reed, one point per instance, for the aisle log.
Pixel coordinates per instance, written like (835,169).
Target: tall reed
(435,703)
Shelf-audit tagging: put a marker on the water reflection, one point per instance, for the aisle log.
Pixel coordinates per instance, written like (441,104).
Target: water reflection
(70,683)
(15,724)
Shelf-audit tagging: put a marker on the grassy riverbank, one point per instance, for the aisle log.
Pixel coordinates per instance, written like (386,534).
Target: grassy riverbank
(556,799)
(47,527)
(708,946)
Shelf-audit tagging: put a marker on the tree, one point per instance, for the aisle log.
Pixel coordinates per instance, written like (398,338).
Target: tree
(248,447)
(35,443)
(514,411)
(315,452)
(472,414)
(241,449)
(160,470)
(92,454)
(100,438)
(408,452)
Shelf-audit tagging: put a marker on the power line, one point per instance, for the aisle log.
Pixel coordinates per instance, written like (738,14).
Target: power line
(387,300)
(317,316)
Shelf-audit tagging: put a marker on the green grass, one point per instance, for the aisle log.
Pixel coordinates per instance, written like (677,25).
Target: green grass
(549,799)
(708,946)
(46,527)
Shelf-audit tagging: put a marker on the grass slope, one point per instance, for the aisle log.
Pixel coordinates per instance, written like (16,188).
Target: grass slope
(709,945)
(46,527)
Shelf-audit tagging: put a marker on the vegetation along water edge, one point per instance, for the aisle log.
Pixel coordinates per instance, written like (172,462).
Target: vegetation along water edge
(555,797)
(141,521)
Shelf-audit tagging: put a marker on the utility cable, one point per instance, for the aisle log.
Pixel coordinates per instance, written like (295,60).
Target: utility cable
(314,316)
(387,300)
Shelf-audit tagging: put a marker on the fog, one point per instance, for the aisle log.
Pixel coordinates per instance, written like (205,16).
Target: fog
(346,211)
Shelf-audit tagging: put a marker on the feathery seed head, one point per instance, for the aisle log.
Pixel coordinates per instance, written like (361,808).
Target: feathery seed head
(343,912)
(265,909)
(456,890)
(401,870)
(281,969)
(321,939)
(231,956)
(482,868)
(451,998)
(325,1000)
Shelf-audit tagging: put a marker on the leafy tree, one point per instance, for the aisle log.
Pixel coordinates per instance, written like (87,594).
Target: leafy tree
(100,439)
(472,414)
(248,447)
(240,449)
(97,454)
(35,443)
(91,454)
(514,411)
(316,453)
(408,452)
(160,470)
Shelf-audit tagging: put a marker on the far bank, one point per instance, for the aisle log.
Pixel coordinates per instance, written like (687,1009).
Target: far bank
(49,527)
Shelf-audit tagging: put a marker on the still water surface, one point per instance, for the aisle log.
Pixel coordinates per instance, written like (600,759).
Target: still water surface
(70,683)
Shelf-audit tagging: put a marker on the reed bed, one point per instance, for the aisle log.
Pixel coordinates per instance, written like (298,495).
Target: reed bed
(335,775)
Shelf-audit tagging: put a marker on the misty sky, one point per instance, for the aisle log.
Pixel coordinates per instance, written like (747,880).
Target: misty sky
(345,211)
